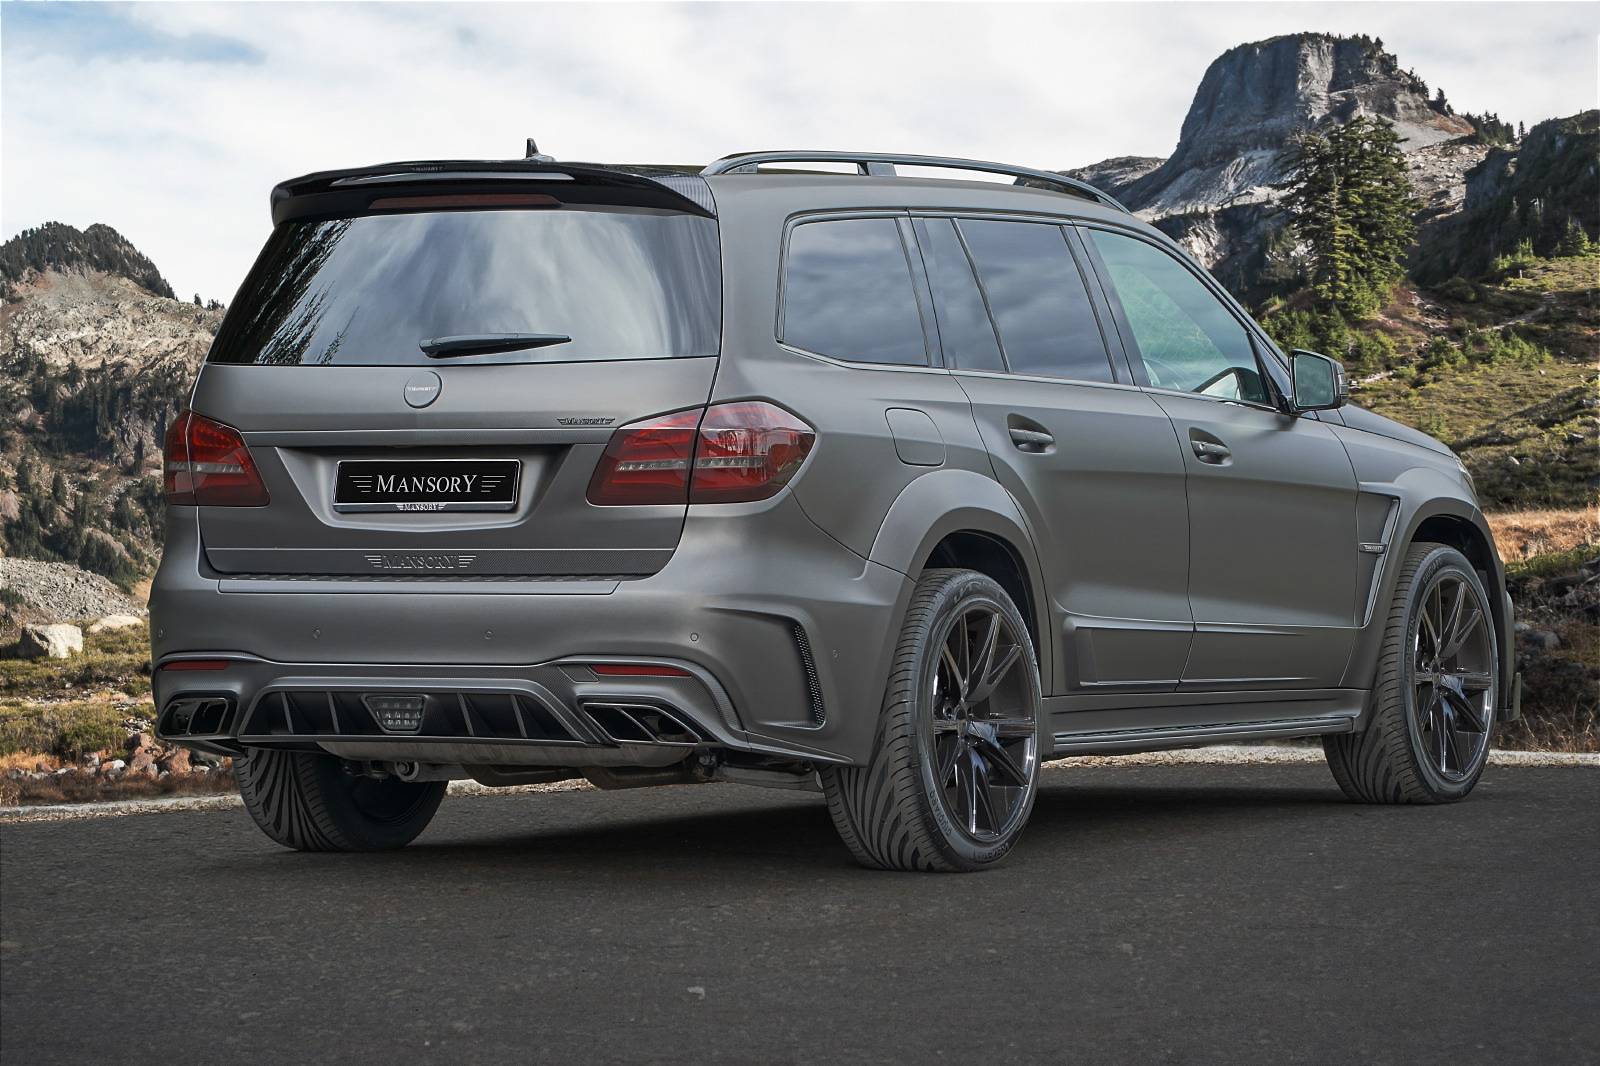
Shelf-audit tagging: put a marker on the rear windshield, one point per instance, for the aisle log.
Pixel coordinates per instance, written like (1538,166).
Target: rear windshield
(369,291)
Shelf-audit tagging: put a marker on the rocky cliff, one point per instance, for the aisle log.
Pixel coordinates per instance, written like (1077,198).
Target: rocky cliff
(95,357)
(1233,147)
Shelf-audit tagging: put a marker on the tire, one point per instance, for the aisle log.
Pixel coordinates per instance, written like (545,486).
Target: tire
(308,802)
(1425,741)
(953,774)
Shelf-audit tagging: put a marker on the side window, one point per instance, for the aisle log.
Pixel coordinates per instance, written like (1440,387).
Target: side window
(965,332)
(847,293)
(1040,305)
(1187,338)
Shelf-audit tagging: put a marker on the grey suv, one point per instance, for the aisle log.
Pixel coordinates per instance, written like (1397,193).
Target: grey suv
(892,483)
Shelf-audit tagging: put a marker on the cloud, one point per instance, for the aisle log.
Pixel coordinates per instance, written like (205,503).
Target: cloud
(172,122)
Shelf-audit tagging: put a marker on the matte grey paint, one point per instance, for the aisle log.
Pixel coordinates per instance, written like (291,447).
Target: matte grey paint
(1174,600)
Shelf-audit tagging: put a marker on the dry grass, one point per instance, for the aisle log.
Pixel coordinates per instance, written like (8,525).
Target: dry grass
(1522,534)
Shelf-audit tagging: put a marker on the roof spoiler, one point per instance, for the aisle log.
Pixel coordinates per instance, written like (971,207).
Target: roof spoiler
(348,193)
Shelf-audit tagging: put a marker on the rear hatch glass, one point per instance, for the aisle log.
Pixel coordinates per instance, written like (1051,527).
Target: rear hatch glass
(369,291)
(323,365)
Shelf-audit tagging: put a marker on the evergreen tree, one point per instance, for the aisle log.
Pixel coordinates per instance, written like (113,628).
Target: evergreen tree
(1350,200)
(1574,240)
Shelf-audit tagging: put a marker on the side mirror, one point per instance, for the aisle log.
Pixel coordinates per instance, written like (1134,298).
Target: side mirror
(1319,383)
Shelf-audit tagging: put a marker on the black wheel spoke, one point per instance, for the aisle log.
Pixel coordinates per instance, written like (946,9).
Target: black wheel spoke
(983,801)
(999,666)
(1453,674)
(951,749)
(1000,759)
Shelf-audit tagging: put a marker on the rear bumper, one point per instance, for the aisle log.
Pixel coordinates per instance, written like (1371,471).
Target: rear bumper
(785,634)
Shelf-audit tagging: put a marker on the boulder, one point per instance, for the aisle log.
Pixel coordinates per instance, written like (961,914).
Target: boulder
(60,641)
(139,740)
(176,763)
(114,621)
(143,764)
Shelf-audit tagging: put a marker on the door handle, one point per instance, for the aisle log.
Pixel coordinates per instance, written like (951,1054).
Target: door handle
(1210,451)
(1030,440)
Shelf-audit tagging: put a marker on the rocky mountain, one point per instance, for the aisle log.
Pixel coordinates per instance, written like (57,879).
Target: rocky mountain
(95,358)
(1218,191)
(58,248)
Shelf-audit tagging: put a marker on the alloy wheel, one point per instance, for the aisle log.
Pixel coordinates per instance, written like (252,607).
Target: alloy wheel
(985,747)
(1452,675)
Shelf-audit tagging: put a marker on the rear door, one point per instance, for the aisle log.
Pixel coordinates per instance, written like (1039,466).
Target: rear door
(380,458)
(1272,497)
(1091,460)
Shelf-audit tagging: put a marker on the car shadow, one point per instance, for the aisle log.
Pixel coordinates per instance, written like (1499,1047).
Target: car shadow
(779,835)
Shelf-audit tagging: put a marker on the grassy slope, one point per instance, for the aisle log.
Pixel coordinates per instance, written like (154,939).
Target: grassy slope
(1525,423)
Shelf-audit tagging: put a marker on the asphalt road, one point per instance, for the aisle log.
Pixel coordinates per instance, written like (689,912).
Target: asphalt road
(1152,914)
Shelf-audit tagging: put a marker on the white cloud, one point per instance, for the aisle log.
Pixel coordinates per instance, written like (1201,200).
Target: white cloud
(178,151)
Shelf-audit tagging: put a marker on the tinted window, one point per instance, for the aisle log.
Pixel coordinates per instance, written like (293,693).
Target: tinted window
(965,331)
(847,292)
(622,285)
(1040,305)
(1188,339)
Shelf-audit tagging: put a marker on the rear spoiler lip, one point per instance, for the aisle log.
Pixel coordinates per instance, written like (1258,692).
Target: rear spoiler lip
(344,193)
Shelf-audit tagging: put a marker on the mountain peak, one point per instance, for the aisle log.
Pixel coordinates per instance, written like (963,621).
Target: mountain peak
(56,246)
(1254,97)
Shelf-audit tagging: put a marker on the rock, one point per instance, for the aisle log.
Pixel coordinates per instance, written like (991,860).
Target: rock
(205,758)
(53,592)
(143,764)
(112,768)
(60,641)
(91,762)
(140,740)
(115,621)
(175,763)
(1540,640)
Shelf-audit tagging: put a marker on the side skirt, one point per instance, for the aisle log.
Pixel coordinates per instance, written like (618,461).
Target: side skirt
(1131,722)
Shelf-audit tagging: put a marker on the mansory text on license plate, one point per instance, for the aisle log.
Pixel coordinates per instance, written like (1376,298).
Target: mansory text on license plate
(426,485)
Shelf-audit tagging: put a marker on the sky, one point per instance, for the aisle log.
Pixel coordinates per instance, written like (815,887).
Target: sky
(171,122)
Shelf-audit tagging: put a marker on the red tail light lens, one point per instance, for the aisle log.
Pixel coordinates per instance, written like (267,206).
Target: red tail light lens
(647,462)
(742,451)
(207,464)
(747,451)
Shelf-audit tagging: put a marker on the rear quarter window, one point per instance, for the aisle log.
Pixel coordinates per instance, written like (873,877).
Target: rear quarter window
(848,292)
(622,284)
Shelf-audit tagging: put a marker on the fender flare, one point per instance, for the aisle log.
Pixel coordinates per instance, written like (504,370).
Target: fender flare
(948,501)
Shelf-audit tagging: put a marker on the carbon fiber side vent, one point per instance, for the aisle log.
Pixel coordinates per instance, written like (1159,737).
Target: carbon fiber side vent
(802,642)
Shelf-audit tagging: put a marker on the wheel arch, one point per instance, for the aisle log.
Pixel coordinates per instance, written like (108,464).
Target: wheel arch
(1458,524)
(959,518)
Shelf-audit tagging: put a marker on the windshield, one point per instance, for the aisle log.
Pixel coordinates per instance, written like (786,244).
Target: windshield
(621,284)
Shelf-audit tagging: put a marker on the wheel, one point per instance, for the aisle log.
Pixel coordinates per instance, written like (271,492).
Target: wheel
(955,765)
(310,802)
(1433,696)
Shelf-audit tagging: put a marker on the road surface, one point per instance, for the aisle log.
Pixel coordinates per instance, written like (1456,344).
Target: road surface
(1165,914)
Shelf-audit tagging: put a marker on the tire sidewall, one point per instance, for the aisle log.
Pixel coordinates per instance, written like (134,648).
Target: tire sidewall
(361,832)
(1438,561)
(968,590)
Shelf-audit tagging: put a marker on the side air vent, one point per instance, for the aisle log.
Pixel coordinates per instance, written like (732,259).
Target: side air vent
(813,682)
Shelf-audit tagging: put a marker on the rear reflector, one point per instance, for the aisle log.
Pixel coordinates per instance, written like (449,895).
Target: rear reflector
(638,670)
(196,664)
(207,464)
(729,453)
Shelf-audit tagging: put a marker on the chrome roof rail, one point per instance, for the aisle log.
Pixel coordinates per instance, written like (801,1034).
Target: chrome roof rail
(883,164)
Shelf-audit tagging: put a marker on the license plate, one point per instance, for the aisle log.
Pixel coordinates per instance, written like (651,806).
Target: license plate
(427,485)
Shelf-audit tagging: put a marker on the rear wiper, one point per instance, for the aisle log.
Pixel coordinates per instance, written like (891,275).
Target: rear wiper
(488,343)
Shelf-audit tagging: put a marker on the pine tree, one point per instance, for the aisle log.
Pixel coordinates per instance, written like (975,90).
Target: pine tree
(1574,239)
(1350,200)
(1522,131)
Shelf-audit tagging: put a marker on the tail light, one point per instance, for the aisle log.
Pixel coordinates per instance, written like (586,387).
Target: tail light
(207,464)
(729,453)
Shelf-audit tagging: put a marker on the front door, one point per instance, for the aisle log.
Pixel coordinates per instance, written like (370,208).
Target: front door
(1272,496)
(1090,459)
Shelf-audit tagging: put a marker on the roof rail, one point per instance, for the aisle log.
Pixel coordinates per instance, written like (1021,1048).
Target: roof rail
(883,164)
